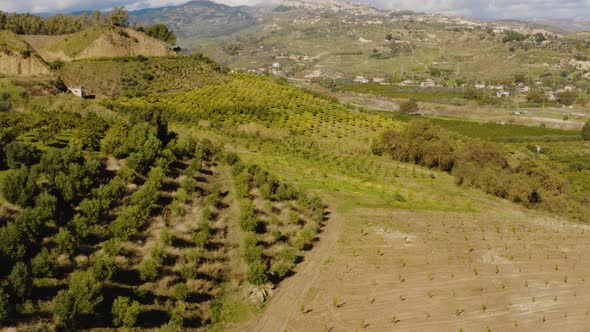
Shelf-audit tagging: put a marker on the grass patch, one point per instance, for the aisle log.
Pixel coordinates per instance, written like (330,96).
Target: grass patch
(76,43)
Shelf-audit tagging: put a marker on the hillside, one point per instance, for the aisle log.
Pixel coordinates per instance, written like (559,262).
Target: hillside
(17,58)
(197,21)
(327,40)
(99,41)
(140,75)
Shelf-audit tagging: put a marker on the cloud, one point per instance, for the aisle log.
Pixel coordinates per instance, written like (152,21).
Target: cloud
(487,9)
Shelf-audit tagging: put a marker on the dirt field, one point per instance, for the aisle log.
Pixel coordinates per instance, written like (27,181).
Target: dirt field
(505,269)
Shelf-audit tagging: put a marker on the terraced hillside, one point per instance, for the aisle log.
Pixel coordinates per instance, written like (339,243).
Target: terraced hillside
(99,41)
(140,75)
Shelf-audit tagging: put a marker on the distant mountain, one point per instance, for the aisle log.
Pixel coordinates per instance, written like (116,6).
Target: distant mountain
(569,25)
(198,21)
(331,39)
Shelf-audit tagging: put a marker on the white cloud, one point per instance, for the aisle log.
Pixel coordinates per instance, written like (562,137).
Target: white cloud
(473,8)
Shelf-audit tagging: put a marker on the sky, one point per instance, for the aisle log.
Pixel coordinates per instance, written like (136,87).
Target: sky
(485,9)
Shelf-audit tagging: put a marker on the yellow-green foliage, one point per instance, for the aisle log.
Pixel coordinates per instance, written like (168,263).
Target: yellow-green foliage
(10,41)
(138,76)
(76,43)
(268,102)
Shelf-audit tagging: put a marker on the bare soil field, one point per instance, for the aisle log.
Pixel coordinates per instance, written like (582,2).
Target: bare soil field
(505,269)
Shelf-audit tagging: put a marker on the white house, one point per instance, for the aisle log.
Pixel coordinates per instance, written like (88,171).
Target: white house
(406,83)
(378,79)
(361,79)
(78,91)
(522,88)
(429,83)
(479,86)
(502,94)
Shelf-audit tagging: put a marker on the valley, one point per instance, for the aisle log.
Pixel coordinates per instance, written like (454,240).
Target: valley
(307,166)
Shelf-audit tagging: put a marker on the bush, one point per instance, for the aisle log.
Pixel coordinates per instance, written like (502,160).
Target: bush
(64,242)
(280,268)
(125,312)
(4,307)
(231,158)
(20,154)
(43,265)
(408,107)
(166,236)
(64,309)
(104,268)
(252,251)
(149,270)
(256,273)
(180,291)
(586,131)
(20,281)
(247,220)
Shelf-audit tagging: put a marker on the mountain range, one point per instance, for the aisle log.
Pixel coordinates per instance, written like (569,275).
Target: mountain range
(330,39)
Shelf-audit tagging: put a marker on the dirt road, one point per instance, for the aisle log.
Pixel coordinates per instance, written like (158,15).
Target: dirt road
(290,295)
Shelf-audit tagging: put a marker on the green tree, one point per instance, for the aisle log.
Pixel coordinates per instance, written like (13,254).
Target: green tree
(408,107)
(125,312)
(118,17)
(180,291)
(12,242)
(256,273)
(161,32)
(64,309)
(4,307)
(567,98)
(65,242)
(43,265)
(104,267)
(21,281)
(586,131)
(19,154)
(19,186)
(536,97)
(86,291)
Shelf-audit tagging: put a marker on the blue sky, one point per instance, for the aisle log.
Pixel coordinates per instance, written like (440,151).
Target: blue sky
(488,9)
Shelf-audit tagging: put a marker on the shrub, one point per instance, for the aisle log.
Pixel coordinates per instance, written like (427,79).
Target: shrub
(64,309)
(4,306)
(189,185)
(294,217)
(247,220)
(207,215)
(125,312)
(166,236)
(298,241)
(43,265)
(20,281)
(231,158)
(408,107)
(280,268)
(180,291)
(149,270)
(64,242)
(252,251)
(104,268)
(256,273)
(586,131)
(20,154)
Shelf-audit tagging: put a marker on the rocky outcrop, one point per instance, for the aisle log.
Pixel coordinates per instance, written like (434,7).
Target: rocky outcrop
(22,65)
(125,42)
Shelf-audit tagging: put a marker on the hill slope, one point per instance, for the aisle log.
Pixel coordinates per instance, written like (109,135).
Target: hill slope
(197,21)
(139,76)
(98,42)
(17,58)
(336,40)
